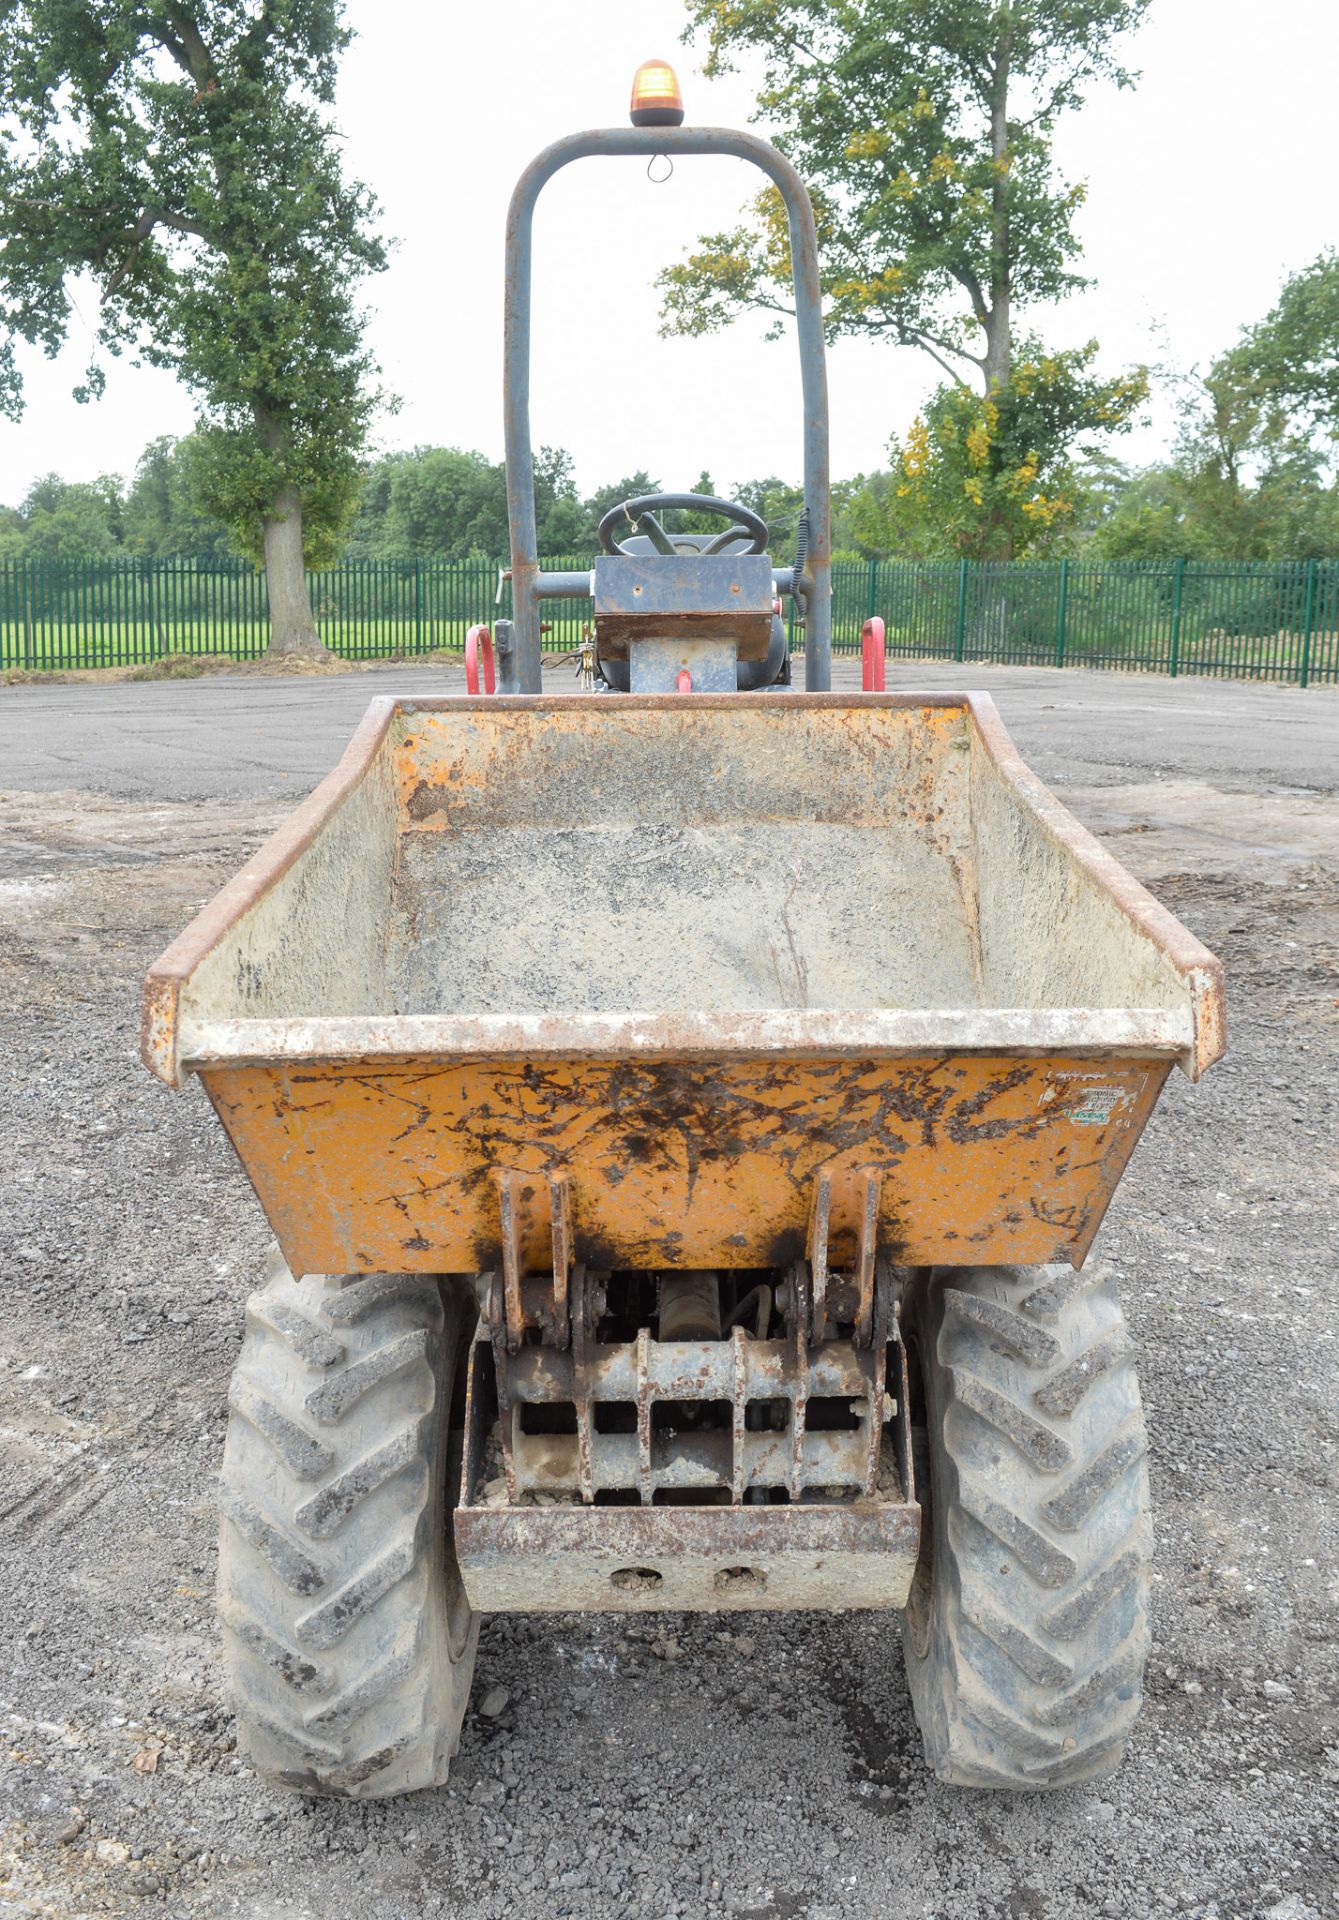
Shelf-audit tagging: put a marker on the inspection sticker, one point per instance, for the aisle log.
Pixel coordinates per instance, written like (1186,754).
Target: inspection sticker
(1086,1099)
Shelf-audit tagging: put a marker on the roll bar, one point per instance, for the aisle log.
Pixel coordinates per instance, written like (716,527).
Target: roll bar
(521,666)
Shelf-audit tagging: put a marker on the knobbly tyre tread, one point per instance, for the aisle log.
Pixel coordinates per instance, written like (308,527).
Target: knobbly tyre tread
(347,1637)
(1025,1656)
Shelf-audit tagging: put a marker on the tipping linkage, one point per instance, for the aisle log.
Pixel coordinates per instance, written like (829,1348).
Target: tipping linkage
(687,1387)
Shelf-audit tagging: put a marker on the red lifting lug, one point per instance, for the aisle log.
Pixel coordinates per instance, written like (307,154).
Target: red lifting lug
(871,655)
(479,640)
(684,683)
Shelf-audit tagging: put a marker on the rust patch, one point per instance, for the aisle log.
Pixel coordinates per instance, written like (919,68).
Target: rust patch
(335,1168)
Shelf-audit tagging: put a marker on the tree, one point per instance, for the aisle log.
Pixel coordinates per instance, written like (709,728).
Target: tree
(450,502)
(924,131)
(866,520)
(559,513)
(184,156)
(780,505)
(686,520)
(374,499)
(1292,355)
(65,520)
(938,204)
(1247,479)
(440,502)
(445,500)
(599,503)
(1241,484)
(989,476)
(161,518)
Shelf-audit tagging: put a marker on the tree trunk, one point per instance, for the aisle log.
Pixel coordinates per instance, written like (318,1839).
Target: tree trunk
(999,360)
(292,628)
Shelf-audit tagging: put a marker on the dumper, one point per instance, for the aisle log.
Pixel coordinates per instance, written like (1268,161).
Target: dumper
(684,1115)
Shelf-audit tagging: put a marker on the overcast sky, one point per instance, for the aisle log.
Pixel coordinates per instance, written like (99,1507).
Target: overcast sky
(1207,183)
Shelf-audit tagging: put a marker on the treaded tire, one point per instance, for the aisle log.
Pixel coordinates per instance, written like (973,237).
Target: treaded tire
(1027,1629)
(347,1635)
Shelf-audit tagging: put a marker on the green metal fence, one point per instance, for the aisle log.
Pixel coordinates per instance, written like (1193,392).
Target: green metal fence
(1262,620)
(1267,620)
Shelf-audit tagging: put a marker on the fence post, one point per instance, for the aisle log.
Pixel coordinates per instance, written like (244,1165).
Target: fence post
(1309,618)
(1060,613)
(960,634)
(418,603)
(871,596)
(1178,590)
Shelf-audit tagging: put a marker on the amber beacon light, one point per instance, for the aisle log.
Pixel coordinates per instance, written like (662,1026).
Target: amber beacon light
(656,100)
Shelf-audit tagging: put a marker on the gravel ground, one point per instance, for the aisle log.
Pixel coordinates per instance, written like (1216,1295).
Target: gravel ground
(760,1767)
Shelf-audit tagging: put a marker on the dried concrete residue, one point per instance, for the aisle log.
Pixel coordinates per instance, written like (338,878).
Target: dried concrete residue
(493,1490)
(781,914)
(620,859)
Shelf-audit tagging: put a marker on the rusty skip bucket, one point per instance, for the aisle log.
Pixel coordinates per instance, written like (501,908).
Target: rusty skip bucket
(681,957)
(677,983)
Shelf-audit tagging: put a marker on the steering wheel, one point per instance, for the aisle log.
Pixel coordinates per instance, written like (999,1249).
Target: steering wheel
(641,516)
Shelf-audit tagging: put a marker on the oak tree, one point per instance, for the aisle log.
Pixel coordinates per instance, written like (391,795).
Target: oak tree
(183,154)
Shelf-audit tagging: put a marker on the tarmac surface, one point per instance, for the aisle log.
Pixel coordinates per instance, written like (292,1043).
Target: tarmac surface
(667,1767)
(220,738)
